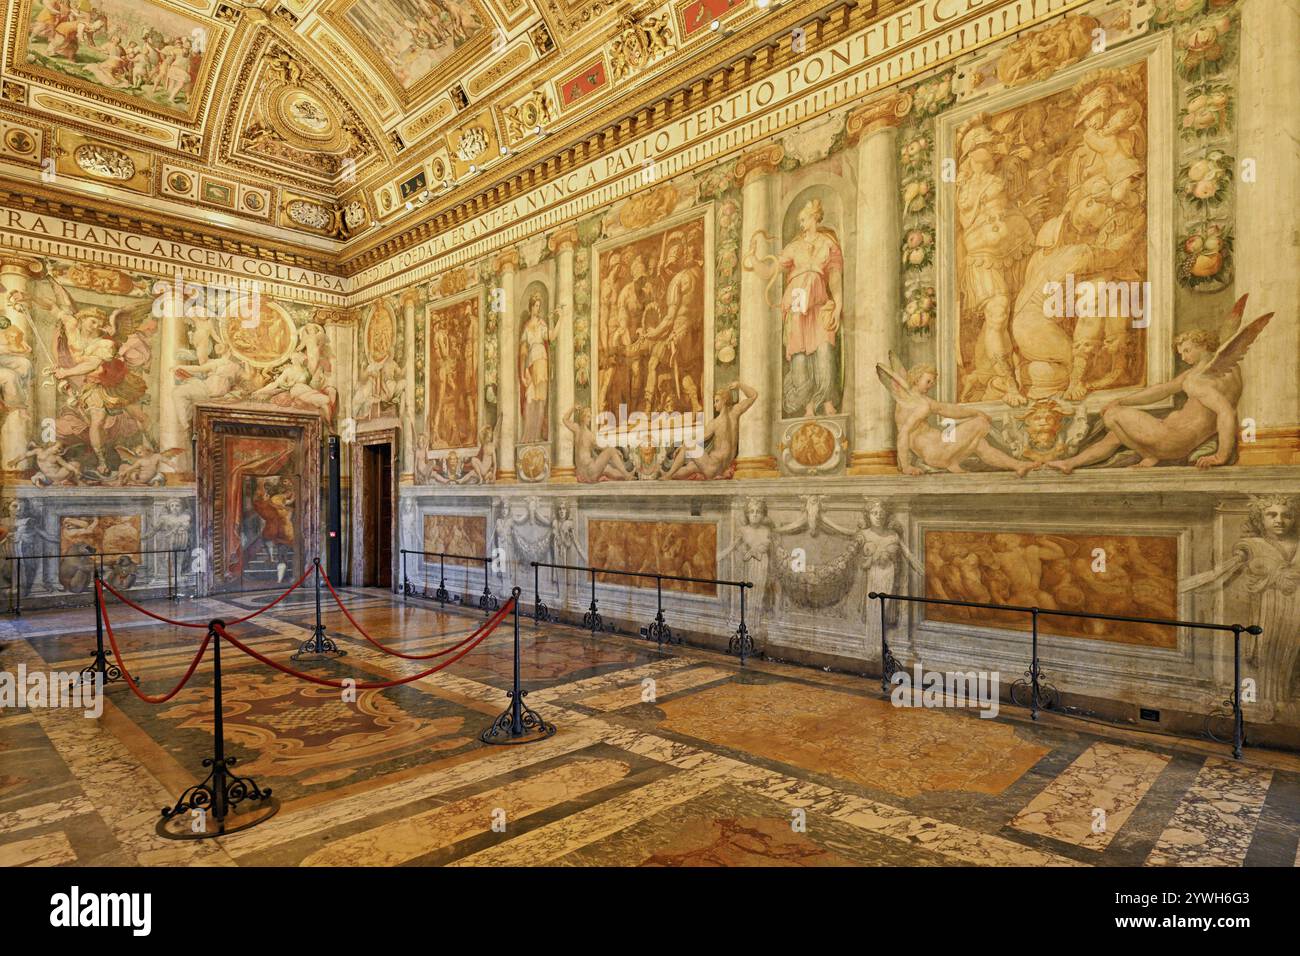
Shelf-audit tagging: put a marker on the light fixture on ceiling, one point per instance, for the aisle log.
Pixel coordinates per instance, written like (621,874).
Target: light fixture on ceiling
(505,150)
(717,27)
(539,131)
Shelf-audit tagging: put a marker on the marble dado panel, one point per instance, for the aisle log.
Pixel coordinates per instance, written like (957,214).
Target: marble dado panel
(813,557)
(47,521)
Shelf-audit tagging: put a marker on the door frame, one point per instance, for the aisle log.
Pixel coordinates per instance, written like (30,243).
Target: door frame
(377,433)
(256,421)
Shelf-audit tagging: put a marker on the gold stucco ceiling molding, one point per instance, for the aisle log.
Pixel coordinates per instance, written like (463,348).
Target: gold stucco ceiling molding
(293,123)
(42,200)
(654,105)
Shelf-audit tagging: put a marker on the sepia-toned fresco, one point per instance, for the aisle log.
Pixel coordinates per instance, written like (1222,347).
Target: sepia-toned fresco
(413,37)
(137,49)
(454,534)
(380,377)
(686,549)
(538,330)
(1053,194)
(651,314)
(1112,574)
(454,375)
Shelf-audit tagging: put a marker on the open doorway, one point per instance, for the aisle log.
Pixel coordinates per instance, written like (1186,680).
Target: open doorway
(374,512)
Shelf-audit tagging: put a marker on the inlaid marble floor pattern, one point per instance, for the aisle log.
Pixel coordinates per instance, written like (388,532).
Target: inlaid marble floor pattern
(676,757)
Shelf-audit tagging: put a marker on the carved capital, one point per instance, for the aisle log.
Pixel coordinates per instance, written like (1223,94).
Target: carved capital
(11,263)
(562,239)
(507,260)
(884,113)
(759,162)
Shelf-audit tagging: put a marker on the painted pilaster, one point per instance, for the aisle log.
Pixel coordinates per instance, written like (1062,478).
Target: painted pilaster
(759,364)
(562,243)
(876,292)
(1268,226)
(507,366)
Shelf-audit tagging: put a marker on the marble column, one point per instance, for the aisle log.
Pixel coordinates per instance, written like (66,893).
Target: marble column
(409,300)
(760,361)
(19,360)
(1267,246)
(876,288)
(562,243)
(507,366)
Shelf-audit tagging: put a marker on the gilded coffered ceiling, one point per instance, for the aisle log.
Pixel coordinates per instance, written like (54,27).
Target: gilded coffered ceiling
(322,123)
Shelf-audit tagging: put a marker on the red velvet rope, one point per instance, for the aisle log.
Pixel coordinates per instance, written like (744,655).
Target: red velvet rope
(166,620)
(370,685)
(129,603)
(296,584)
(409,657)
(117,655)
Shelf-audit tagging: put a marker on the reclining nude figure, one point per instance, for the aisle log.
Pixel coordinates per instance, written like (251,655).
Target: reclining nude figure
(1212,384)
(942,450)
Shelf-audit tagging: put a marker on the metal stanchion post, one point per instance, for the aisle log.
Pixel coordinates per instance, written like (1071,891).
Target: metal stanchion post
(518,723)
(487,601)
(1238,719)
(221,791)
(101,666)
(441,594)
(741,643)
(591,620)
(540,611)
(318,643)
(658,630)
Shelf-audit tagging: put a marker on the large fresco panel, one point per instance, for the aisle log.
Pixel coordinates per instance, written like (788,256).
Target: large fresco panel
(1131,575)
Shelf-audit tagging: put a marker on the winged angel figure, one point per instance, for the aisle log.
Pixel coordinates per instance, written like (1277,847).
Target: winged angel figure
(100,363)
(941,450)
(1212,386)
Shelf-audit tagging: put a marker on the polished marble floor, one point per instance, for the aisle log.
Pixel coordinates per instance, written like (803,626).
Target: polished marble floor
(662,758)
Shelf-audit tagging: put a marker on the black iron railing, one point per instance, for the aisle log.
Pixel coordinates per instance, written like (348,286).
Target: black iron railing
(1042,695)
(741,643)
(487,601)
(97,567)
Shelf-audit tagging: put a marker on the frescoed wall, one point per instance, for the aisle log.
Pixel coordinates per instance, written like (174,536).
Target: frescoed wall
(957,340)
(947,333)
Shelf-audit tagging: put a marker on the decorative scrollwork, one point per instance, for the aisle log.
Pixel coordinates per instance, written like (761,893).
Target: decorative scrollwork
(110,671)
(1225,712)
(741,643)
(592,620)
(517,724)
(487,601)
(889,666)
(318,643)
(232,788)
(1022,692)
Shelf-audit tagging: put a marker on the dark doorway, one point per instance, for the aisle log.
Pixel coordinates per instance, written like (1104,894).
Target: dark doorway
(376,504)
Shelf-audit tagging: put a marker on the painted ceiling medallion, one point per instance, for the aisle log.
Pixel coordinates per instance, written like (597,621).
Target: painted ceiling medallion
(104,161)
(306,115)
